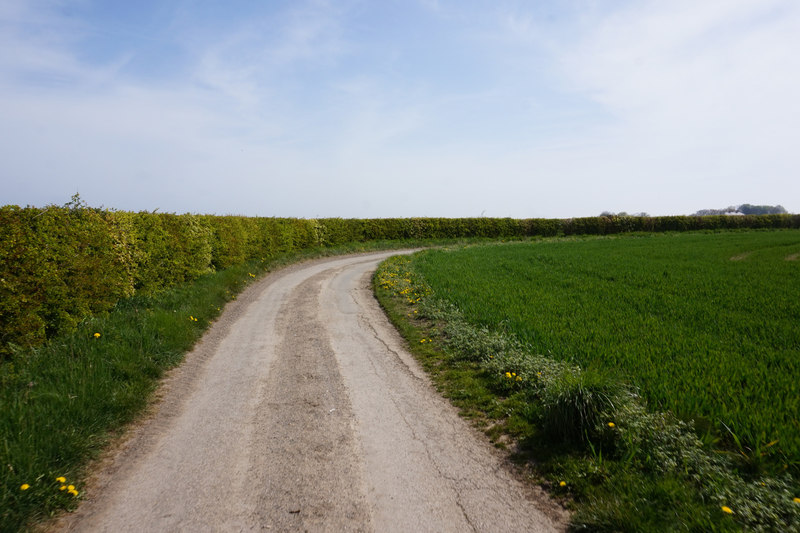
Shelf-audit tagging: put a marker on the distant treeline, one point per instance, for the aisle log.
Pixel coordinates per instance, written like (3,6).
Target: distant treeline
(59,265)
(744,209)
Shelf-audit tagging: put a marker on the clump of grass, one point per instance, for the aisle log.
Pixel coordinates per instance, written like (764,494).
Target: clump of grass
(577,404)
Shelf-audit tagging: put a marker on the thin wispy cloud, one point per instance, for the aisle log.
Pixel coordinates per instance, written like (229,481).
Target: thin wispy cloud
(434,108)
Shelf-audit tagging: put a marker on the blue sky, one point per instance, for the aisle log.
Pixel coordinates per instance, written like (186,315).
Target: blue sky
(401,108)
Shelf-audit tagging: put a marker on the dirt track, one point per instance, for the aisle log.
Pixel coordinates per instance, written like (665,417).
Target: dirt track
(301,410)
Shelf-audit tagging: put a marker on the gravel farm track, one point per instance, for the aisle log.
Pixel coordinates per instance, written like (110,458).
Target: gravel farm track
(301,410)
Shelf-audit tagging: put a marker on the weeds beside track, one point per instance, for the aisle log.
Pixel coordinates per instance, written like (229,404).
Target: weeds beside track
(627,465)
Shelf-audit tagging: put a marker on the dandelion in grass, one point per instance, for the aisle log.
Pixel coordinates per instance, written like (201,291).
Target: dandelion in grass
(726,509)
(62,487)
(562,484)
(612,425)
(71,488)
(796,500)
(61,479)
(96,335)
(508,375)
(24,486)
(73,492)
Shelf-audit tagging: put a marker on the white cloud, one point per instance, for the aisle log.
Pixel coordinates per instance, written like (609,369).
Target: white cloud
(701,96)
(705,63)
(662,107)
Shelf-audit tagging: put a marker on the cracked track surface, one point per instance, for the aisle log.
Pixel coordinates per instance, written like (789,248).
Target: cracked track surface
(301,410)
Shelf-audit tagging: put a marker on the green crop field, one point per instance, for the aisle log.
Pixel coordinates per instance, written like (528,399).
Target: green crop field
(706,325)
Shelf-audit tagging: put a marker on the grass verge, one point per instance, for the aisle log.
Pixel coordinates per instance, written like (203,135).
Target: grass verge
(621,467)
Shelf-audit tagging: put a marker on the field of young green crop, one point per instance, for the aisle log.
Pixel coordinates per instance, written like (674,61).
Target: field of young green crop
(705,325)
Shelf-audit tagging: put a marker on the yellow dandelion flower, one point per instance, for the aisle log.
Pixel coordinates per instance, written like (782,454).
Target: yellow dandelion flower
(796,500)
(726,509)
(519,378)
(96,335)
(422,340)
(71,487)
(562,484)
(61,479)
(62,487)
(612,424)
(508,375)
(74,492)
(24,486)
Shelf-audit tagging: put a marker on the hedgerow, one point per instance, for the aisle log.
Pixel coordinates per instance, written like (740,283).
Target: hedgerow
(61,264)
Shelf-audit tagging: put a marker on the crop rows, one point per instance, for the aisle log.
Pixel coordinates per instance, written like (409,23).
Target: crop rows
(704,325)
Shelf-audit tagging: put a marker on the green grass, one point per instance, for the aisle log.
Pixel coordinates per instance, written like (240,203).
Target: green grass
(621,463)
(699,333)
(62,402)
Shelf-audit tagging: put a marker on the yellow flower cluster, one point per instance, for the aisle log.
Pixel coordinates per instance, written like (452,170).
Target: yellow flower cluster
(397,279)
(69,488)
(193,319)
(251,274)
(62,486)
(514,376)
(96,335)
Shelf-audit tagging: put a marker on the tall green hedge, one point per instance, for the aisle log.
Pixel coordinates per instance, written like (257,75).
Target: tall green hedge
(59,265)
